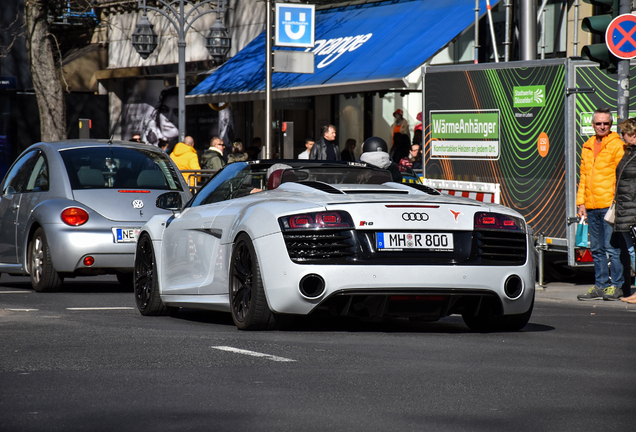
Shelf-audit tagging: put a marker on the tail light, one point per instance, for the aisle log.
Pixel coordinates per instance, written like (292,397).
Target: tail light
(74,216)
(496,221)
(583,255)
(319,220)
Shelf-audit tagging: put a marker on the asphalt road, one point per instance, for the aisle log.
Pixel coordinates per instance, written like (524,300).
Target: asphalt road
(85,360)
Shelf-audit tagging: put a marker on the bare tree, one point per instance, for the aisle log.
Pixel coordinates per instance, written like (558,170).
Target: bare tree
(40,44)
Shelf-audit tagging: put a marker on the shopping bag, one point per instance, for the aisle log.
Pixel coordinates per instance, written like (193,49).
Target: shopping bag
(581,234)
(611,213)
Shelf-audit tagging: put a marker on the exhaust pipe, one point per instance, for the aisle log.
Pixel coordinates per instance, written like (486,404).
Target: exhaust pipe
(312,286)
(513,286)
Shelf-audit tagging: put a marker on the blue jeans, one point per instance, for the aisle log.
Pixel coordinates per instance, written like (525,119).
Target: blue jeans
(630,248)
(604,244)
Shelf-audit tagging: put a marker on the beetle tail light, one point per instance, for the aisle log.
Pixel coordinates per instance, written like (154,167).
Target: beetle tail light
(74,216)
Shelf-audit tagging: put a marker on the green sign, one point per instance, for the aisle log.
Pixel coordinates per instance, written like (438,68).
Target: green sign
(466,125)
(529,96)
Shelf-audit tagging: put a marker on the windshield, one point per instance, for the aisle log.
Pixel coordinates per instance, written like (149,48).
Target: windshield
(240,179)
(119,167)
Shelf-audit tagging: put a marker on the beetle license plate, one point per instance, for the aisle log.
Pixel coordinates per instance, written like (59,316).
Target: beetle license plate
(126,235)
(387,241)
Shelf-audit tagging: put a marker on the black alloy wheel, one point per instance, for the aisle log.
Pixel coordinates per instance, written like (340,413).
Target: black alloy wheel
(247,295)
(145,280)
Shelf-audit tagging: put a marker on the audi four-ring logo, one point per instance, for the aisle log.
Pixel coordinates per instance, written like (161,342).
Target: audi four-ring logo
(415,217)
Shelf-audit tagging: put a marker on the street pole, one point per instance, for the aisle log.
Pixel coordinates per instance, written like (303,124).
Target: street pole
(181,44)
(268,80)
(476,43)
(528,29)
(622,99)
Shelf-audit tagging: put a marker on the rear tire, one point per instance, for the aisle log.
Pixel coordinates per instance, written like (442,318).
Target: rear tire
(146,283)
(44,278)
(248,304)
(519,321)
(488,321)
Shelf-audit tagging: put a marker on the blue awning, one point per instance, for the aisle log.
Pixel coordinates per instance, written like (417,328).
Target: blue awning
(366,47)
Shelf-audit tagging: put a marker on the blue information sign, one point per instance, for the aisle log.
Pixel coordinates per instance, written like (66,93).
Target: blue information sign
(295,25)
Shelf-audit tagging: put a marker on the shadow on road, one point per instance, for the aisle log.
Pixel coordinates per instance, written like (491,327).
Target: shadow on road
(323,322)
(80,284)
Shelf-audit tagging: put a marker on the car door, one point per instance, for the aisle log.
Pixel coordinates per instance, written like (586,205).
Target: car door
(35,192)
(192,256)
(190,244)
(14,185)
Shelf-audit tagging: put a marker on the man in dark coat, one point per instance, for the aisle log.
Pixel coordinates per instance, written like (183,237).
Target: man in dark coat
(325,148)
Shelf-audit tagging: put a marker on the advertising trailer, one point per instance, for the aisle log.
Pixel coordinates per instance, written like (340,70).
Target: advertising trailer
(518,126)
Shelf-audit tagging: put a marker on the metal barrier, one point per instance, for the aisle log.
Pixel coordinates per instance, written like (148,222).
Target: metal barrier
(484,192)
(198,178)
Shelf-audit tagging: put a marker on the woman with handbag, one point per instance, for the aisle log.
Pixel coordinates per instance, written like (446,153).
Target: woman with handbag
(625,195)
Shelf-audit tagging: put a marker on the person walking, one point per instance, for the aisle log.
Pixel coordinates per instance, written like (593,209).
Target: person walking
(400,125)
(185,157)
(625,196)
(599,157)
(325,148)
(212,158)
(309,143)
(238,153)
(347,153)
(254,151)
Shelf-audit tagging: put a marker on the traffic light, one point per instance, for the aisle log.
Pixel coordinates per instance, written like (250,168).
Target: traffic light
(606,11)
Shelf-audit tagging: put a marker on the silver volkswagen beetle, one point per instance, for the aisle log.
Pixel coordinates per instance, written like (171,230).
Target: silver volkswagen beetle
(75,207)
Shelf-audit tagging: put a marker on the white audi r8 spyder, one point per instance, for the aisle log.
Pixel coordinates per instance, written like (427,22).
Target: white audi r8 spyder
(270,239)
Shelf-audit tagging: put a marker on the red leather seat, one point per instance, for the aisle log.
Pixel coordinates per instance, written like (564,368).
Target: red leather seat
(280,176)
(274,179)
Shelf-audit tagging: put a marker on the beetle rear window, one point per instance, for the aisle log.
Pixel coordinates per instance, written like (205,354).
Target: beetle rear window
(119,168)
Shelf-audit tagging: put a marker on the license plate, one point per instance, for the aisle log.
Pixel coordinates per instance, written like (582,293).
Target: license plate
(397,241)
(126,235)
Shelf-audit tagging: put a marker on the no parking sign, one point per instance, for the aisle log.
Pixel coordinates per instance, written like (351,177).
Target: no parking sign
(621,36)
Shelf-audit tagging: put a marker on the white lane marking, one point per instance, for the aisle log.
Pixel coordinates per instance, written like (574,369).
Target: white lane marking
(21,310)
(253,353)
(16,292)
(99,308)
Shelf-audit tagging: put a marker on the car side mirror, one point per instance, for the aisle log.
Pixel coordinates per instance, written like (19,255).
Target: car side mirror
(169,201)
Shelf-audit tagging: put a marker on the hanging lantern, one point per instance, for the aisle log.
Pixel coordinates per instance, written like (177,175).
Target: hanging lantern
(144,38)
(218,42)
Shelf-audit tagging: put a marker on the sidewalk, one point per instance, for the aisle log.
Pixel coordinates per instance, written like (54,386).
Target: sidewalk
(566,293)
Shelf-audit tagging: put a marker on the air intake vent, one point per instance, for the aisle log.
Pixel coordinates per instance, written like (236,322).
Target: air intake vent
(376,191)
(423,188)
(319,247)
(322,187)
(501,246)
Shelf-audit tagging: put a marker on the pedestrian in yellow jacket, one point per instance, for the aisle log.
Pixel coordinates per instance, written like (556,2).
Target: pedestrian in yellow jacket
(186,158)
(599,157)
